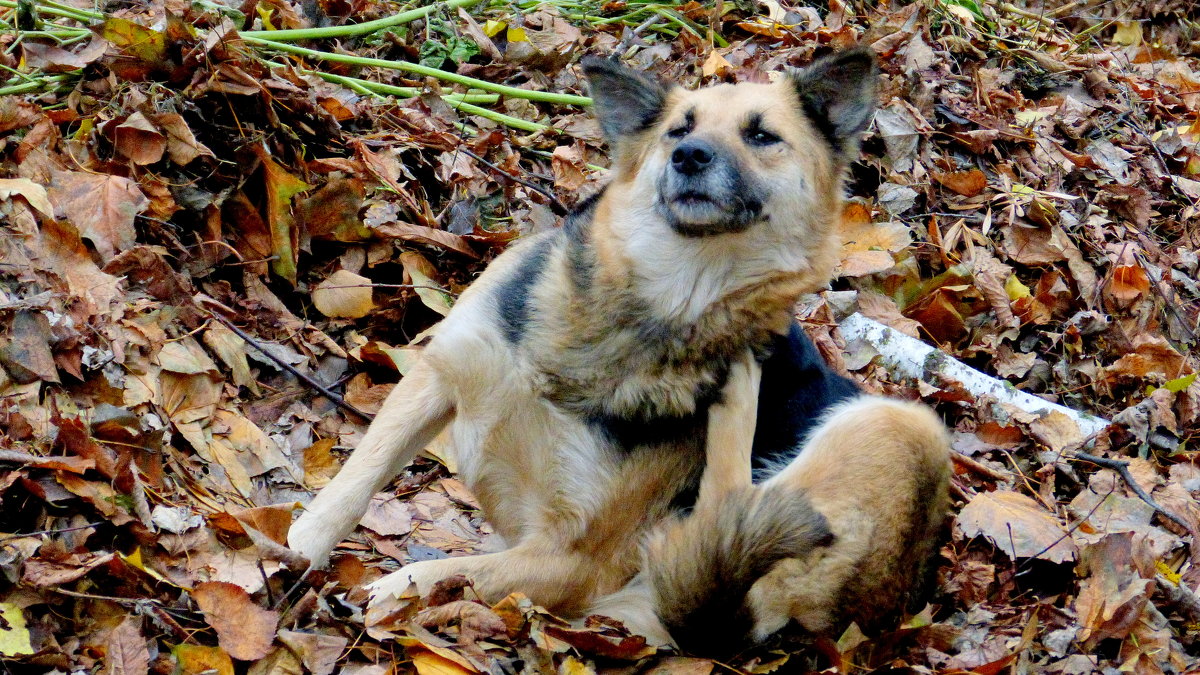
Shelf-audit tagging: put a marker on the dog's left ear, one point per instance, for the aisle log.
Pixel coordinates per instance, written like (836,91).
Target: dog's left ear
(626,101)
(838,93)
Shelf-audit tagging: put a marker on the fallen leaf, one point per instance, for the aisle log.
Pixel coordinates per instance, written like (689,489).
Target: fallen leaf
(966,183)
(125,651)
(32,192)
(1017,525)
(244,630)
(101,206)
(200,660)
(14,635)
(344,295)
(139,140)
(319,653)
(428,663)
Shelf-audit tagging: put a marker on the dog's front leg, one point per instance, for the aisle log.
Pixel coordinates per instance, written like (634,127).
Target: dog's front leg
(416,410)
(730,438)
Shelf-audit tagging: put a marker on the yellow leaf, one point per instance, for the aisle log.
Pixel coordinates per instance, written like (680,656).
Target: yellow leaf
(344,295)
(264,13)
(428,663)
(281,188)
(135,560)
(419,270)
(1015,289)
(715,64)
(516,34)
(14,636)
(195,659)
(1128,33)
(491,27)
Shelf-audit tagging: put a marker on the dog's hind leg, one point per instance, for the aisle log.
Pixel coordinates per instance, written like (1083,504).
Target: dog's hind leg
(415,411)
(878,470)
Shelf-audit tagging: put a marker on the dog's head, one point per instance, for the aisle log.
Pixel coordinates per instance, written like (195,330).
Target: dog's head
(727,158)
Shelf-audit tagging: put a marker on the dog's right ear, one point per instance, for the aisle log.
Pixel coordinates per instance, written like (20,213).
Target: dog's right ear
(626,101)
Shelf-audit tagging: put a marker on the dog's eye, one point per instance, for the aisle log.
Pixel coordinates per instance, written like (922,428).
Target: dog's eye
(678,132)
(761,137)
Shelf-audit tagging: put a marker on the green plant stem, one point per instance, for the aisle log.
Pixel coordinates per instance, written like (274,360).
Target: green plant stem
(358,28)
(460,102)
(368,86)
(56,9)
(507,120)
(34,85)
(404,66)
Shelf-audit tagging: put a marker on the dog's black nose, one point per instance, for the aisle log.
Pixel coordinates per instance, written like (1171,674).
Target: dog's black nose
(692,157)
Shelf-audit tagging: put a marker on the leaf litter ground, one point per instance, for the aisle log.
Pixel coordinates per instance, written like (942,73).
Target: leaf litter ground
(179,177)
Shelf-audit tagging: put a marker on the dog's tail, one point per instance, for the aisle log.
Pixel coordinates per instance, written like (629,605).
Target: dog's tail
(700,568)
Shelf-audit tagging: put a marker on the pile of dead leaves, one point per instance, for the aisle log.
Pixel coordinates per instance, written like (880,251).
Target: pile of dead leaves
(1028,201)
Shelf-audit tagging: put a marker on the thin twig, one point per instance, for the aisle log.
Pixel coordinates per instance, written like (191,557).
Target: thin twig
(11,537)
(977,467)
(337,400)
(1122,467)
(299,582)
(555,205)
(629,37)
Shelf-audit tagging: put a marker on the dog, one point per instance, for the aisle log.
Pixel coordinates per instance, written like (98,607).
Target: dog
(576,375)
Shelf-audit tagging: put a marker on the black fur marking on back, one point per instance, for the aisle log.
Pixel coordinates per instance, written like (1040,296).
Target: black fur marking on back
(628,434)
(797,387)
(512,295)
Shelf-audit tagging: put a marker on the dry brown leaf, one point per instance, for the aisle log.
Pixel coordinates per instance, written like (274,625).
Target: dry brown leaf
(32,192)
(231,349)
(26,353)
(966,183)
(101,206)
(387,516)
(125,651)
(319,653)
(1017,525)
(1113,596)
(344,295)
(139,140)
(245,630)
(475,621)
(681,665)
(182,146)
(320,466)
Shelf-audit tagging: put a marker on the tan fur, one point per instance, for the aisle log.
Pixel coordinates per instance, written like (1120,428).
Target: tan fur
(879,471)
(626,318)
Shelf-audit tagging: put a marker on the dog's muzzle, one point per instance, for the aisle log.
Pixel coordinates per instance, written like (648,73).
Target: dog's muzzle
(703,192)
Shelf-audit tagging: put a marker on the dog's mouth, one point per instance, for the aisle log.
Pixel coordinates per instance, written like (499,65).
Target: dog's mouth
(695,214)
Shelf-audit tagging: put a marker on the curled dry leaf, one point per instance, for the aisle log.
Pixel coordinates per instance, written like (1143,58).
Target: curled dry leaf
(344,295)
(244,630)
